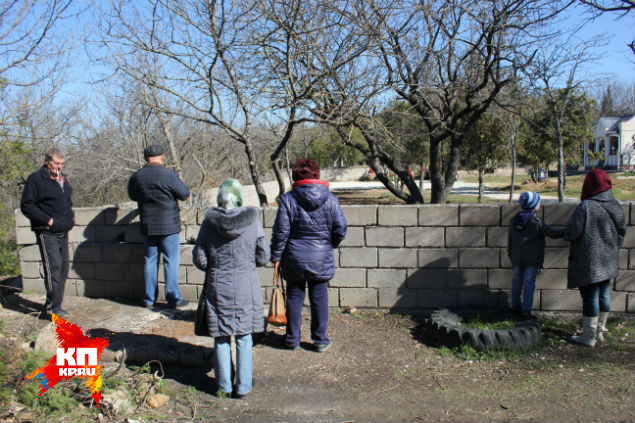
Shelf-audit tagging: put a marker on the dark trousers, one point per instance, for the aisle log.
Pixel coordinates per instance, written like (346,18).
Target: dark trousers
(595,298)
(54,253)
(319,299)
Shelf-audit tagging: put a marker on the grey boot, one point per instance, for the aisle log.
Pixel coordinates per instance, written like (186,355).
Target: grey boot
(599,335)
(589,327)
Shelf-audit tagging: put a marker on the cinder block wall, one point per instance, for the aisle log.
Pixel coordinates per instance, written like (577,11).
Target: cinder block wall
(394,257)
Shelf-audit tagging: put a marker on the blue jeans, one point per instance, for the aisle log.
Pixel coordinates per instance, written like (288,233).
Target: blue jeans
(595,298)
(224,368)
(524,279)
(169,246)
(319,299)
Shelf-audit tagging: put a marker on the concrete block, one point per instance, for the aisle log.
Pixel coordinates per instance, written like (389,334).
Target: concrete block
(265,274)
(625,281)
(70,288)
(133,234)
(505,261)
(552,279)
(436,298)
(627,210)
(398,298)
(560,300)
(619,302)
(117,253)
(439,215)
(477,298)
(385,237)
(629,239)
(507,212)
(33,285)
(397,257)
(81,270)
(32,270)
(136,254)
(29,253)
(182,274)
(88,253)
(465,237)
(139,290)
(82,234)
(558,214)
(438,258)
(24,236)
(20,219)
(269,216)
(499,278)
(496,237)
(505,299)
(427,278)
(133,273)
(358,297)
(191,233)
(630,303)
(189,216)
(124,214)
(478,257)
(360,215)
(358,257)
(556,258)
(91,289)
(556,243)
(631,258)
(334,297)
(354,237)
(467,278)
(118,289)
(425,237)
(348,278)
(189,292)
(193,275)
(109,271)
(478,215)
(402,215)
(623,258)
(186,254)
(85,216)
(386,278)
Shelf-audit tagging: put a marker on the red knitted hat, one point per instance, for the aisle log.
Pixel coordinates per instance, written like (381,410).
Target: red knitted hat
(595,182)
(305,169)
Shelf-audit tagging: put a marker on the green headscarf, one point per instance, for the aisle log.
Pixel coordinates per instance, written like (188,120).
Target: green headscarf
(230,194)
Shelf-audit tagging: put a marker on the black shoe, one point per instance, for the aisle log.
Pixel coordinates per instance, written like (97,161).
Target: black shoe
(323,347)
(64,314)
(291,347)
(180,304)
(146,305)
(236,395)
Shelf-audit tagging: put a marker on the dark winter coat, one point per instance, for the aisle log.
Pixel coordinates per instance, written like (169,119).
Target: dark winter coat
(230,244)
(156,190)
(526,239)
(309,225)
(596,231)
(43,198)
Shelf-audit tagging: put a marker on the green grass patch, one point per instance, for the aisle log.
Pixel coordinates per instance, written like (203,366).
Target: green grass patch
(487,323)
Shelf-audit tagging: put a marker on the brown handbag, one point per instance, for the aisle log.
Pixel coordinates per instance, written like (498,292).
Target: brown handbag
(277,311)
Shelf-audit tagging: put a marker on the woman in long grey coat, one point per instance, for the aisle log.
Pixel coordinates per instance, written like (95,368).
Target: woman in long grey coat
(229,246)
(596,231)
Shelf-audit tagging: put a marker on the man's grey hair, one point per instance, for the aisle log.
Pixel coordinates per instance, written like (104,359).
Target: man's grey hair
(54,152)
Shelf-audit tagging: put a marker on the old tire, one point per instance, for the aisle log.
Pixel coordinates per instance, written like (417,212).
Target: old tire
(444,328)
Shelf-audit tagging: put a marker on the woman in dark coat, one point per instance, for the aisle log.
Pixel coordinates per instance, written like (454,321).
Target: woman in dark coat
(309,225)
(596,231)
(230,244)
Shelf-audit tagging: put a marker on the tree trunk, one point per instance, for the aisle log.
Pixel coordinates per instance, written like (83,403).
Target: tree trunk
(480,184)
(437,183)
(560,159)
(253,170)
(513,151)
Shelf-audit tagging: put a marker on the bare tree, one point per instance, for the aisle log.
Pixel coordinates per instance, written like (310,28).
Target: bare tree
(622,6)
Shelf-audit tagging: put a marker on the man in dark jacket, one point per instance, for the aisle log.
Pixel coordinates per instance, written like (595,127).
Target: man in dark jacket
(156,190)
(46,201)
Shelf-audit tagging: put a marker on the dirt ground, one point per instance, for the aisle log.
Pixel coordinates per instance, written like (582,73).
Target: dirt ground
(379,369)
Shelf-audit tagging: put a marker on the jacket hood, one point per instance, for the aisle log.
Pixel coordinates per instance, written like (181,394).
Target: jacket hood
(310,196)
(231,223)
(612,207)
(522,219)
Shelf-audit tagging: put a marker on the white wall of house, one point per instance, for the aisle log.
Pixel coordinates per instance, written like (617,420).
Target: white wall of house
(615,136)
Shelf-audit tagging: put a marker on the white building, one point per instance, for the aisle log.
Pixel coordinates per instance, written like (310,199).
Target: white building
(615,137)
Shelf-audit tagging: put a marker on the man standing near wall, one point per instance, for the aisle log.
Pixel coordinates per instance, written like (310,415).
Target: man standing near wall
(46,202)
(156,190)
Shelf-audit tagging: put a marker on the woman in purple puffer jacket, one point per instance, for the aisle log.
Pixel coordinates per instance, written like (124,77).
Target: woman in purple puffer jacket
(309,225)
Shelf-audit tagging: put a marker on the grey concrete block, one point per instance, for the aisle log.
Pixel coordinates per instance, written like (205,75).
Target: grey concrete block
(401,215)
(349,278)
(133,234)
(118,289)
(437,298)
(70,288)
(427,278)
(188,292)
(552,279)
(123,214)
(626,207)
(425,237)
(438,258)
(186,254)
(81,270)
(558,214)
(560,300)
(505,261)
(467,278)
(33,285)
(499,278)
(354,237)
(631,258)
(505,299)
(477,298)
(193,275)
(117,253)
(619,302)
(625,281)
(88,253)
(398,298)
(24,236)
(30,253)
(265,274)
(478,215)
(360,215)
(133,273)
(497,237)
(269,216)
(20,219)
(334,297)
(556,242)
(556,258)
(623,258)
(182,274)
(386,278)
(385,237)
(89,215)
(358,297)
(630,303)
(629,239)
(478,257)
(82,234)
(397,257)
(358,257)
(91,289)
(465,237)
(109,271)
(191,233)
(32,270)
(507,212)
(439,215)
